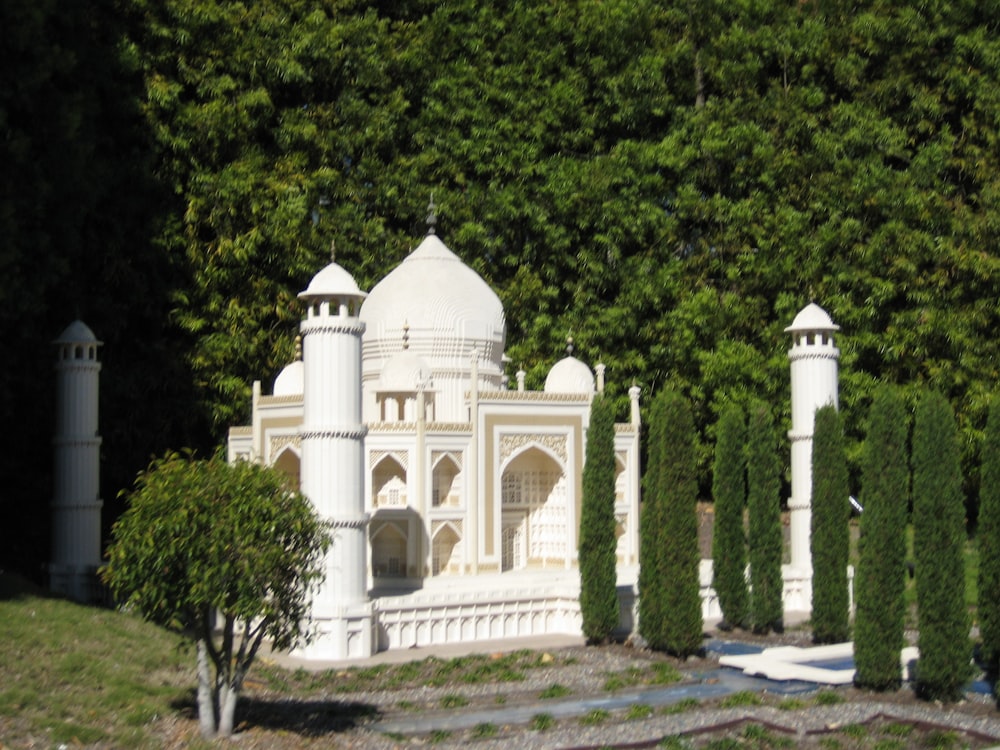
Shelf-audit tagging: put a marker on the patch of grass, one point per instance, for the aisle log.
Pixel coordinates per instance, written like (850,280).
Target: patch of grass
(500,700)
(855,731)
(898,730)
(759,736)
(940,739)
(828,698)
(108,675)
(830,743)
(657,673)
(684,704)
(742,698)
(791,704)
(639,711)
(439,735)
(454,700)
(555,690)
(594,717)
(663,673)
(724,743)
(407,706)
(484,730)
(674,742)
(889,744)
(542,722)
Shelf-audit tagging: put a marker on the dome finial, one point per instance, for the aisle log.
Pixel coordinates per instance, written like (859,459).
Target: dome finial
(333,251)
(298,348)
(569,345)
(431,216)
(406,335)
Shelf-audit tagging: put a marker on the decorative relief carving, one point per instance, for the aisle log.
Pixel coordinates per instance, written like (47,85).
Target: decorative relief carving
(350,523)
(357,433)
(401,457)
(327,325)
(455,456)
(280,442)
(512,443)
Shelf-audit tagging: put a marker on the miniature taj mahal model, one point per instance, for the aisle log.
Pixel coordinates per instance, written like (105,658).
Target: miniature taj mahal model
(454,499)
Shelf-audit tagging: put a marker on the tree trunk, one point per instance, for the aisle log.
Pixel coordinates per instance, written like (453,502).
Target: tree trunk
(206,705)
(227,709)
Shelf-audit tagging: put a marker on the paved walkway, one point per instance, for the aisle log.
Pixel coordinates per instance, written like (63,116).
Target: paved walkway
(446,651)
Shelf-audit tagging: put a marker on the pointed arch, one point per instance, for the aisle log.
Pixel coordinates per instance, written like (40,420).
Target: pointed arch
(535,510)
(447,482)
(289,463)
(389,544)
(389,483)
(445,545)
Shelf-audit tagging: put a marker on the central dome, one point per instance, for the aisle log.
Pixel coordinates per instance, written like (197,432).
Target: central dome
(438,308)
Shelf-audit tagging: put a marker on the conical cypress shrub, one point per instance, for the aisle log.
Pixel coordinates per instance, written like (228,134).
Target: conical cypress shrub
(988,540)
(764,507)
(830,537)
(599,606)
(938,546)
(879,583)
(729,556)
(671,620)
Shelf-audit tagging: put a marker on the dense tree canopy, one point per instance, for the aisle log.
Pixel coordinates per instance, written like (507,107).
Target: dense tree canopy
(670,182)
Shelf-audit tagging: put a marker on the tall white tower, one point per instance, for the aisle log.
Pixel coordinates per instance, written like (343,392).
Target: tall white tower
(332,470)
(813,359)
(76,506)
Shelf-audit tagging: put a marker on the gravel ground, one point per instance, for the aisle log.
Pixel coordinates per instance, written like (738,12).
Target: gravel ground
(424,715)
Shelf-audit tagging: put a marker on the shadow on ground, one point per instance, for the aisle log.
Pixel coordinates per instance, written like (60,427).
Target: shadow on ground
(306,718)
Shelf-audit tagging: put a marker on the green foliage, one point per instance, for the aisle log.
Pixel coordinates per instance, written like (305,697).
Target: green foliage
(878,622)
(542,722)
(202,537)
(764,507)
(830,537)
(988,541)
(729,557)
(938,543)
(669,597)
(555,690)
(599,606)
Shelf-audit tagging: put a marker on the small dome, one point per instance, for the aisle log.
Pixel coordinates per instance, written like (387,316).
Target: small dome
(291,380)
(77,332)
(569,375)
(404,372)
(812,317)
(332,282)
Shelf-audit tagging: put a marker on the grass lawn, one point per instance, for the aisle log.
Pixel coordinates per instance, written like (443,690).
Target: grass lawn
(80,675)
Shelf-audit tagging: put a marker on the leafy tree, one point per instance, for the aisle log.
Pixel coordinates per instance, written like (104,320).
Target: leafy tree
(729,557)
(988,540)
(764,506)
(599,605)
(669,597)
(879,582)
(830,537)
(204,536)
(939,546)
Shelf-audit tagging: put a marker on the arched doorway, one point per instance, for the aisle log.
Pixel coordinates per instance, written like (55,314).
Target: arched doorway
(535,513)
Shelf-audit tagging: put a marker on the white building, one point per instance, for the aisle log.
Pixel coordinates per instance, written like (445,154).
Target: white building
(471,492)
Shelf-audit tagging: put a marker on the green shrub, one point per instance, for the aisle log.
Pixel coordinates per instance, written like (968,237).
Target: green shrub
(939,545)
(879,583)
(729,556)
(598,556)
(830,537)
(542,722)
(669,590)
(764,507)
(555,690)
(988,540)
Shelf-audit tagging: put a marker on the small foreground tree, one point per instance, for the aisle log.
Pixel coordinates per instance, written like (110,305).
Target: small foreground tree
(988,539)
(729,541)
(880,583)
(205,536)
(830,538)
(764,508)
(669,591)
(938,546)
(598,544)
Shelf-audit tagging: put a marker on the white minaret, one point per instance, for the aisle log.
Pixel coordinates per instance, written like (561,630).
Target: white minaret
(813,359)
(332,469)
(76,505)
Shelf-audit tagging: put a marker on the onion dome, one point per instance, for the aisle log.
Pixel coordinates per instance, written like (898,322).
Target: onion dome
(77,332)
(291,380)
(569,375)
